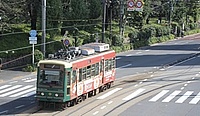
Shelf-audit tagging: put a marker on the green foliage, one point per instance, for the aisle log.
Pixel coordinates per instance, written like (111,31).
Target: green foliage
(29,68)
(38,55)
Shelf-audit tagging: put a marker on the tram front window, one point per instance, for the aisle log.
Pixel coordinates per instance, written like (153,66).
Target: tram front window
(51,78)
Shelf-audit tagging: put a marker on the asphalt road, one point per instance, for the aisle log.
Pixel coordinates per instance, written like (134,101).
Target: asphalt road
(141,74)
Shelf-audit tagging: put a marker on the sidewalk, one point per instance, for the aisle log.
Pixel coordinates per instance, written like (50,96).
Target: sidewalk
(7,75)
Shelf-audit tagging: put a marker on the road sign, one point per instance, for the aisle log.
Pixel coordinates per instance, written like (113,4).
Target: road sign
(33,42)
(131,5)
(135,5)
(33,33)
(33,38)
(66,42)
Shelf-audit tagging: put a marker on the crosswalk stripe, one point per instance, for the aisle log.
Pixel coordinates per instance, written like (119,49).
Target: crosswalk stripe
(11,88)
(29,94)
(31,80)
(158,96)
(134,94)
(23,92)
(4,86)
(109,93)
(15,91)
(171,96)
(184,97)
(196,99)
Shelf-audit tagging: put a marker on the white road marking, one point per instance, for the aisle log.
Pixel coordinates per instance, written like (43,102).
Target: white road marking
(182,88)
(144,80)
(171,96)
(4,86)
(15,91)
(158,96)
(189,82)
(3,111)
(110,102)
(135,85)
(109,93)
(134,94)
(29,94)
(13,82)
(23,92)
(11,88)
(193,78)
(19,106)
(147,50)
(124,66)
(140,82)
(185,85)
(31,80)
(197,75)
(184,97)
(196,99)
(118,58)
(95,112)
(103,107)
(129,55)
(138,52)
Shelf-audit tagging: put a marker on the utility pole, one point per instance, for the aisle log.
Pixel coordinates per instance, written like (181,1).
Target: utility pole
(103,20)
(44,27)
(121,18)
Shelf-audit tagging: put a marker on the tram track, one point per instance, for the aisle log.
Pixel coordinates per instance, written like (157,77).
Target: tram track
(127,83)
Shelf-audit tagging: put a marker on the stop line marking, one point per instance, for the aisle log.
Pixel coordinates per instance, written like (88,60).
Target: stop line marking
(109,93)
(134,94)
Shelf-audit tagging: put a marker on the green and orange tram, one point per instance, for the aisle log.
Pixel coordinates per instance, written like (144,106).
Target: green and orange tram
(69,77)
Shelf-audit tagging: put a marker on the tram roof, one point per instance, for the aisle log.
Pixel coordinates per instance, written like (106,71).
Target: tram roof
(68,63)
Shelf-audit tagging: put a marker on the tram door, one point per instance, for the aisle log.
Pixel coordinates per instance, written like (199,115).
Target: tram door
(74,81)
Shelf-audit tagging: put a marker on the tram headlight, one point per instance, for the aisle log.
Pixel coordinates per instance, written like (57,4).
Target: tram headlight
(56,95)
(42,94)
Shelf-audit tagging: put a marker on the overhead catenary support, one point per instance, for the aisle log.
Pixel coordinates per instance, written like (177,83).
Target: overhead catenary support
(44,27)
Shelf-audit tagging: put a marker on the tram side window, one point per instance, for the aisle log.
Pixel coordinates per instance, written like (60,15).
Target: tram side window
(74,76)
(97,69)
(84,73)
(88,71)
(101,66)
(106,65)
(109,64)
(80,75)
(68,78)
(93,70)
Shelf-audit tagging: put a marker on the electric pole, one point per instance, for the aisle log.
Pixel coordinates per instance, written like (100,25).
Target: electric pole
(44,27)
(103,20)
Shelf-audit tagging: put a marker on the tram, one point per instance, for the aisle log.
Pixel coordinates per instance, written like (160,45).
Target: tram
(69,77)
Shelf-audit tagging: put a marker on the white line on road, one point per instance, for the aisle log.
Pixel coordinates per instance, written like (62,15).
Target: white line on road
(3,111)
(182,88)
(27,81)
(196,99)
(103,107)
(184,97)
(197,75)
(13,82)
(8,89)
(19,106)
(4,86)
(23,92)
(134,94)
(185,85)
(15,91)
(109,93)
(158,96)
(110,102)
(124,66)
(171,96)
(118,58)
(95,112)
